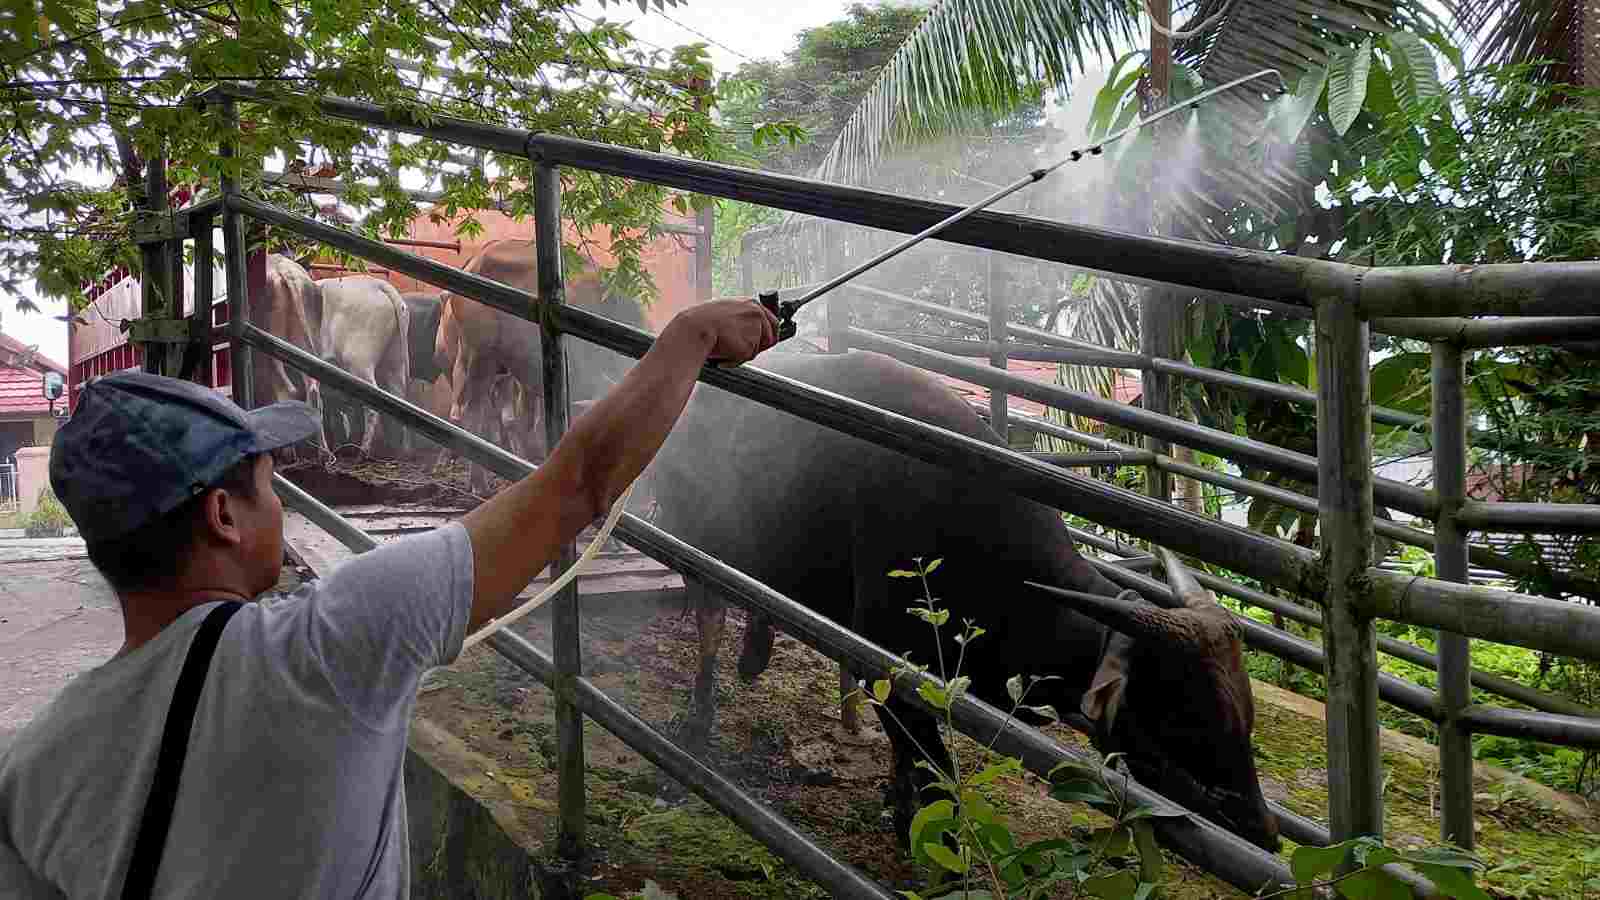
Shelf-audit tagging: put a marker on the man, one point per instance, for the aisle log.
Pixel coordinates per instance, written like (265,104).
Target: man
(292,783)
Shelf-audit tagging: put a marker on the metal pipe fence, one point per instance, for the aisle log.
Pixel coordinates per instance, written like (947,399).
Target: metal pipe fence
(1350,589)
(1479,555)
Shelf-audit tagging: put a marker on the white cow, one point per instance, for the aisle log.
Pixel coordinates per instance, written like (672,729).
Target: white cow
(366,331)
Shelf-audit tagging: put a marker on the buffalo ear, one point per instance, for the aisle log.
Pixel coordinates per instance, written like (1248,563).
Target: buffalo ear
(1103,699)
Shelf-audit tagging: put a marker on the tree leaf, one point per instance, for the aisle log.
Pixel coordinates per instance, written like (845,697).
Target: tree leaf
(1014,688)
(942,855)
(1373,884)
(1121,885)
(1416,75)
(1454,881)
(1290,113)
(929,825)
(881,689)
(1347,85)
(1113,840)
(1310,863)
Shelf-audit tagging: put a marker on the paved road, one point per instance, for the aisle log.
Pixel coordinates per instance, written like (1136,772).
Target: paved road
(57,618)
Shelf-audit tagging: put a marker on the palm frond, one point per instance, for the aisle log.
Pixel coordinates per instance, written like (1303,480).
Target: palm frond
(1291,36)
(1527,31)
(972,60)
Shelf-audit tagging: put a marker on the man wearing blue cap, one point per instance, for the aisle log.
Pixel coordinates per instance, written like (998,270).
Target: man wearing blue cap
(290,735)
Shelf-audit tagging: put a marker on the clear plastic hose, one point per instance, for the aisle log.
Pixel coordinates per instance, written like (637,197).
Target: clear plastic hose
(544,596)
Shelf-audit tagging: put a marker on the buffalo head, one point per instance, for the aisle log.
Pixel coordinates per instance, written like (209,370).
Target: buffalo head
(1171,694)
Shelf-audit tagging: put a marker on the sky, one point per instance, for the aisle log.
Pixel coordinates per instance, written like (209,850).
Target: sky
(734,30)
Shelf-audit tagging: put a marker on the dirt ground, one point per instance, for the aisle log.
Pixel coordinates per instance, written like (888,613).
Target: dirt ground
(781,741)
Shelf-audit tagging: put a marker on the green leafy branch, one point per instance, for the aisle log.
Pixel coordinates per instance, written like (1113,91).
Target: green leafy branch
(964,842)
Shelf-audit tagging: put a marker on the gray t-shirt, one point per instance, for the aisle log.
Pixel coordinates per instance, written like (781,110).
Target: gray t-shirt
(293,783)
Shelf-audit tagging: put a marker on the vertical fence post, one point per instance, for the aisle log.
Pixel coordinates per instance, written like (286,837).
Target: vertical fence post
(747,268)
(1156,387)
(839,342)
(1344,508)
(156,282)
(564,619)
(233,248)
(998,407)
(197,355)
(1450,564)
(838,302)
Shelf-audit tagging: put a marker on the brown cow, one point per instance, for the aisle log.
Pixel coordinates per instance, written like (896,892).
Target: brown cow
(491,342)
(290,308)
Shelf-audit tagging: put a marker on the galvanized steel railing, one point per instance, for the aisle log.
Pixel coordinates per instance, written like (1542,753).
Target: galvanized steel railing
(1352,591)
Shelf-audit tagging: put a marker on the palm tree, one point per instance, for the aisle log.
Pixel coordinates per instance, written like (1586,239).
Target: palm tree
(1563,32)
(977,60)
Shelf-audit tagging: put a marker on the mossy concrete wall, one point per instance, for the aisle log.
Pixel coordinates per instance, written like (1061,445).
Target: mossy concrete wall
(459,849)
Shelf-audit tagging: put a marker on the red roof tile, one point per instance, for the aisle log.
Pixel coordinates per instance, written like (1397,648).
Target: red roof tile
(22,377)
(1125,389)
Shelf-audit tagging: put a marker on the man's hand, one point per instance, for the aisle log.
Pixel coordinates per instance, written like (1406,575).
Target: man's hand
(519,531)
(737,329)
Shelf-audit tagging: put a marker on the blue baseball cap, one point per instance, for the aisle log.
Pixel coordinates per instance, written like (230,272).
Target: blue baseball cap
(139,445)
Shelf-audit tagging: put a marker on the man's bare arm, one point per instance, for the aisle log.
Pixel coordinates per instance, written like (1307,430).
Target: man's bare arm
(518,532)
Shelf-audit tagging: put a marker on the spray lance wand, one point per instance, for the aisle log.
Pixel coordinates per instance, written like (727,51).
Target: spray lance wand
(785,310)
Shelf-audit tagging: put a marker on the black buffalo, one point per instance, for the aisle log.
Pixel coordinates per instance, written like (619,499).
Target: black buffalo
(823,518)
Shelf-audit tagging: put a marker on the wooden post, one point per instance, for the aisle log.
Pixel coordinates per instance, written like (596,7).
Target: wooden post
(1450,564)
(1344,507)
(564,621)
(998,407)
(197,360)
(157,280)
(233,248)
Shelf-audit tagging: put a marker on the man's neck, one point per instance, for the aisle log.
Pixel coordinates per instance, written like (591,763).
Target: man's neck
(146,613)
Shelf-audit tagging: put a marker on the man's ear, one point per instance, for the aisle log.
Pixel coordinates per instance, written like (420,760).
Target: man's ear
(1103,699)
(219,517)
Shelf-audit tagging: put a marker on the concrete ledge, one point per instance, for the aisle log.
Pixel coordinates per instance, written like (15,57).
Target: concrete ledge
(459,848)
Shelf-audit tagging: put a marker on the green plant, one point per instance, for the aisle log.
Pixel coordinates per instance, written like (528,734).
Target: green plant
(650,891)
(1361,874)
(966,846)
(48,519)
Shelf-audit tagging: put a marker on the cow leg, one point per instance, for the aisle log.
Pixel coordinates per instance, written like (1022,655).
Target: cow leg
(394,375)
(710,618)
(473,379)
(314,400)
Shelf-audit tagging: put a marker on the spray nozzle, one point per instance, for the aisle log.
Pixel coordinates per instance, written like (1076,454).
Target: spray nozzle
(1096,150)
(1077,155)
(784,312)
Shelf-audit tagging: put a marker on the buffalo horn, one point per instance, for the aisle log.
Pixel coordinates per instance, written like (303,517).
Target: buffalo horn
(1127,612)
(1183,583)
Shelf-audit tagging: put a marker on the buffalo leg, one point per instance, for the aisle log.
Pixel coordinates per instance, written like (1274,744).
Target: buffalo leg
(756,654)
(913,735)
(710,618)
(849,701)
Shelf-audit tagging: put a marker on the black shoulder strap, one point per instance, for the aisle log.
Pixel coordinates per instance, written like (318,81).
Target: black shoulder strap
(163,797)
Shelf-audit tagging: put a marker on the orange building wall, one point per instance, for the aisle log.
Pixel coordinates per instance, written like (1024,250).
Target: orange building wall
(670,259)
